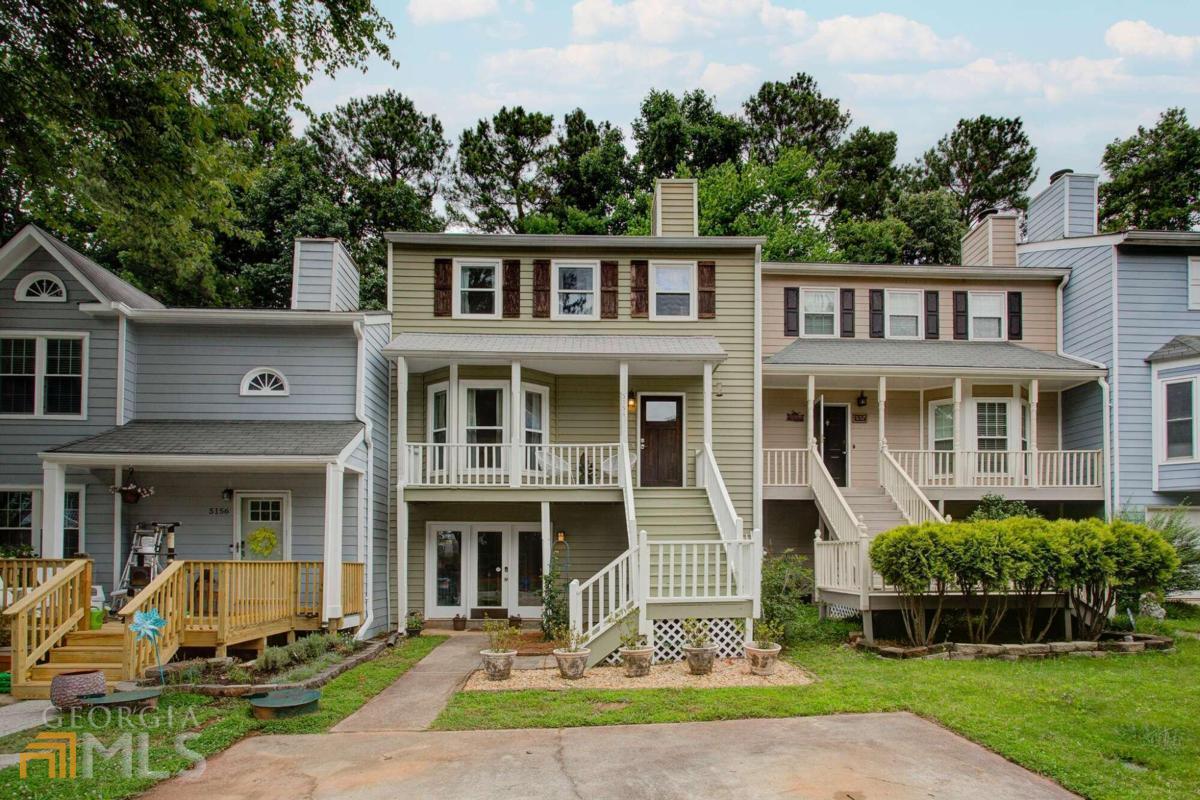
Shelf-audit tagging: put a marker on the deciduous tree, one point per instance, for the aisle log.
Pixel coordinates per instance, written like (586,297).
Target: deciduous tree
(1154,177)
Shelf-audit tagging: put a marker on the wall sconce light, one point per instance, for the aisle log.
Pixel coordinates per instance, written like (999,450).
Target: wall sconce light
(227,494)
(631,402)
(560,537)
(861,400)
(719,389)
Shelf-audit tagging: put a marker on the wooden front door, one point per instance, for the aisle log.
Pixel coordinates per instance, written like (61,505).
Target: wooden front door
(661,458)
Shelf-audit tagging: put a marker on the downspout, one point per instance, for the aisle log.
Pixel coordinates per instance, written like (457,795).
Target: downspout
(369,478)
(1104,393)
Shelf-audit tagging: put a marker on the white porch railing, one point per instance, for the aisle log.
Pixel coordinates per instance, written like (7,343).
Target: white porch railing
(838,565)
(785,466)
(540,465)
(627,496)
(605,598)
(1060,469)
(837,512)
(913,504)
(699,570)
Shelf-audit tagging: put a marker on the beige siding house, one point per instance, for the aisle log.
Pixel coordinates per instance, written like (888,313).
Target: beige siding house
(584,398)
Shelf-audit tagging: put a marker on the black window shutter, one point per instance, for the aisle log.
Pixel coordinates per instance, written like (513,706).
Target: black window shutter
(876,306)
(1014,316)
(931,315)
(960,315)
(847,300)
(791,311)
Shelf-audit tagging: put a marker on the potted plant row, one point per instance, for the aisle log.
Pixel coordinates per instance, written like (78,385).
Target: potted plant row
(699,648)
(762,652)
(501,652)
(636,654)
(570,653)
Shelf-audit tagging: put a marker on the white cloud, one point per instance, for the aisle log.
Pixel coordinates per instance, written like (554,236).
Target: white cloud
(777,19)
(985,77)
(879,37)
(719,78)
(1140,39)
(432,12)
(592,64)
(662,21)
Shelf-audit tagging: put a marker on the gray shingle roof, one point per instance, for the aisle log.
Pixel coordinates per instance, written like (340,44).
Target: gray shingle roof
(581,345)
(113,287)
(900,353)
(221,438)
(1179,347)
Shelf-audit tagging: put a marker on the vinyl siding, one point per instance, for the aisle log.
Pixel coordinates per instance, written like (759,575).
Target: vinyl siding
(677,216)
(195,372)
(1045,218)
(131,372)
(975,246)
(377,383)
(1081,214)
(1087,298)
(346,280)
(1038,301)
(313,275)
(1083,417)
(991,243)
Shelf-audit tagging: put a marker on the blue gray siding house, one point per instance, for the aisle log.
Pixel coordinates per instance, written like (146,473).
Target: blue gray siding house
(1132,303)
(237,418)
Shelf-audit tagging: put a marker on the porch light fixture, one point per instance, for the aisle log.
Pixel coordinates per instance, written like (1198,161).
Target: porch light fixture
(861,400)
(131,491)
(561,536)
(227,494)
(631,402)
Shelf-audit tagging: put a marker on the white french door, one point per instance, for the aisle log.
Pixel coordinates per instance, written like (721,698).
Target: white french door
(471,568)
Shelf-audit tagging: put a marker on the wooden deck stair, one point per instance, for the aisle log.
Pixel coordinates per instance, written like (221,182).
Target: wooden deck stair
(82,650)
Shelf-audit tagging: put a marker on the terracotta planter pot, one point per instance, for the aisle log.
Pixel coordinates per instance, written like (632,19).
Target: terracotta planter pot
(762,660)
(572,663)
(460,623)
(636,661)
(498,664)
(700,659)
(66,688)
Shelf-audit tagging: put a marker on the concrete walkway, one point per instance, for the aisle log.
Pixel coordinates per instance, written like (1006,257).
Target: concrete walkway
(848,757)
(419,695)
(25,714)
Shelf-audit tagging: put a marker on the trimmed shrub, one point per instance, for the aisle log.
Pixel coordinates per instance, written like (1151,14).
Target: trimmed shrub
(915,560)
(980,559)
(996,507)
(272,659)
(1041,563)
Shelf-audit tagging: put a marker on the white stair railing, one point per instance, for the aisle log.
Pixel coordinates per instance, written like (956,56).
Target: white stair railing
(626,480)
(913,504)
(606,598)
(785,466)
(837,512)
(709,476)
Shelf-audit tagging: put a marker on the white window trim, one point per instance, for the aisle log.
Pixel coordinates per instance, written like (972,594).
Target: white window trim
(1003,337)
(23,288)
(1192,282)
(693,298)
(933,404)
(506,410)
(246,391)
(35,534)
(837,316)
(1160,420)
(456,285)
(285,495)
(544,391)
(430,391)
(887,313)
(594,266)
(40,372)
(1012,433)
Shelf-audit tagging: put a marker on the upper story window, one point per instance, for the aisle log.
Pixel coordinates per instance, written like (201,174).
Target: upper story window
(477,288)
(819,307)
(574,286)
(673,290)
(903,314)
(1179,399)
(41,287)
(43,375)
(264,382)
(986,310)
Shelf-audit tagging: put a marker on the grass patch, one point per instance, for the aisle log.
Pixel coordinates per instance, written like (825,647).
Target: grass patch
(217,723)
(1086,723)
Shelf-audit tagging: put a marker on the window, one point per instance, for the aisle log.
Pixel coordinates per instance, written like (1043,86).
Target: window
(20,517)
(986,311)
(941,427)
(1180,419)
(438,398)
(43,376)
(820,311)
(1194,282)
(903,315)
(485,416)
(41,287)
(535,433)
(72,523)
(673,290)
(991,425)
(264,381)
(574,290)
(478,286)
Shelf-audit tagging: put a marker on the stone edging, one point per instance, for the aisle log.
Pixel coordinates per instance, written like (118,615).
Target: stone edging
(371,651)
(956,651)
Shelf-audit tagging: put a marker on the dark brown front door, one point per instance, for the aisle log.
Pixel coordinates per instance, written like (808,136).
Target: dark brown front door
(662,441)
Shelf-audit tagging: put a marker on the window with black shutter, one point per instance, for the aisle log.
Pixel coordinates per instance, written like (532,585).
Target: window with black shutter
(791,311)
(876,313)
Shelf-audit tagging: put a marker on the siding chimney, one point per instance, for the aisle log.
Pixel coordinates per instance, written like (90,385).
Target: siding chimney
(324,276)
(1065,208)
(992,240)
(675,211)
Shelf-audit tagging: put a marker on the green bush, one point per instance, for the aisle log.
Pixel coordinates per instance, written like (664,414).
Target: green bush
(312,646)
(806,626)
(787,585)
(996,507)
(1180,533)
(272,659)
(555,614)
(915,559)
(1041,563)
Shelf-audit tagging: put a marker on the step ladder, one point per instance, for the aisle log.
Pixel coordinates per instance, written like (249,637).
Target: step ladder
(151,546)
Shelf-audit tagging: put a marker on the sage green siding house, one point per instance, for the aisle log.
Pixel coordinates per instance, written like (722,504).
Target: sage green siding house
(586,399)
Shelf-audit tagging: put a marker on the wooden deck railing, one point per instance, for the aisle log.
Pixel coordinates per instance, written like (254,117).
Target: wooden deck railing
(44,616)
(168,595)
(352,588)
(20,575)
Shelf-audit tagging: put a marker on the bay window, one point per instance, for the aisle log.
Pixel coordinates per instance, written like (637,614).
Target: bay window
(43,375)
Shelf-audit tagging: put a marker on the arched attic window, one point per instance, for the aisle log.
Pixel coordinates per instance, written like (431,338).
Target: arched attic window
(264,382)
(41,287)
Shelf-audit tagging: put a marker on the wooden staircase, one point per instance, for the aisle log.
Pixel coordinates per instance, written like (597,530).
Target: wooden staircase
(82,650)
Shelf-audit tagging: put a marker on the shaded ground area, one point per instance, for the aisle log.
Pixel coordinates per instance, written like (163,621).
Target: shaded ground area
(875,756)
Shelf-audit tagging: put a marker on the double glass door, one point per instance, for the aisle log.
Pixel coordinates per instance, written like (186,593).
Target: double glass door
(483,567)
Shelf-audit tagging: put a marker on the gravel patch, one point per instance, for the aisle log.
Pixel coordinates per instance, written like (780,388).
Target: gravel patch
(726,672)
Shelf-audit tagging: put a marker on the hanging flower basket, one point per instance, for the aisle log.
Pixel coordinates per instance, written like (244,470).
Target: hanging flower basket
(131,491)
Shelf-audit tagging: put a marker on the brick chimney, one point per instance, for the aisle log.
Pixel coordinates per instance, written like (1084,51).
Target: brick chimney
(992,240)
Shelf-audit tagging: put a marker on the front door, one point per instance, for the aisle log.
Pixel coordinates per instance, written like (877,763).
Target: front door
(489,571)
(262,528)
(834,449)
(661,457)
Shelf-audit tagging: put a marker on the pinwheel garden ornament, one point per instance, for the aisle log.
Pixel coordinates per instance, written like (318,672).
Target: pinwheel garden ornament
(148,625)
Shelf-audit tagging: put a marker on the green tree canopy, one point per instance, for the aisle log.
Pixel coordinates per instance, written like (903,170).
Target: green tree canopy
(591,174)
(792,114)
(684,131)
(865,174)
(1154,177)
(500,176)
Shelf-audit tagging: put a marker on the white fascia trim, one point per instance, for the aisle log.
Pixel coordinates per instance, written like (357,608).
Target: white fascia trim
(18,248)
(914,271)
(199,316)
(1114,379)
(919,372)
(349,449)
(143,460)
(1074,243)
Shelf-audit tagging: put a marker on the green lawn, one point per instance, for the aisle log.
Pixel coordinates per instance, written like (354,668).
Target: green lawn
(1117,727)
(219,724)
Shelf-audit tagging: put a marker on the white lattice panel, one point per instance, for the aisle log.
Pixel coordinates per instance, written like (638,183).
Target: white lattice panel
(726,633)
(834,611)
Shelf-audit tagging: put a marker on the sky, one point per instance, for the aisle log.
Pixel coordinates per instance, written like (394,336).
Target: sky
(1080,74)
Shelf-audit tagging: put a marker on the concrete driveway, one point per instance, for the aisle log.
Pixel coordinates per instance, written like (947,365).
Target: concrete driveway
(851,757)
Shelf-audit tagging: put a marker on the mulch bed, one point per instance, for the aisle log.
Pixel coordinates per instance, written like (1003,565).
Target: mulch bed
(532,644)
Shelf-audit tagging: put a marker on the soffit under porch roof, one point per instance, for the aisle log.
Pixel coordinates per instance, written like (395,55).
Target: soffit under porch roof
(562,354)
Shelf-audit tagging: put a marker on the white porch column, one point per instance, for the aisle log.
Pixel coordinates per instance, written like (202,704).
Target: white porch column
(1034,477)
(708,404)
(453,426)
(547,537)
(810,401)
(882,412)
(402,460)
(118,523)
(402,560)
(516,426)
(331,583)
(959,460)
(54,479)
(623,391)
